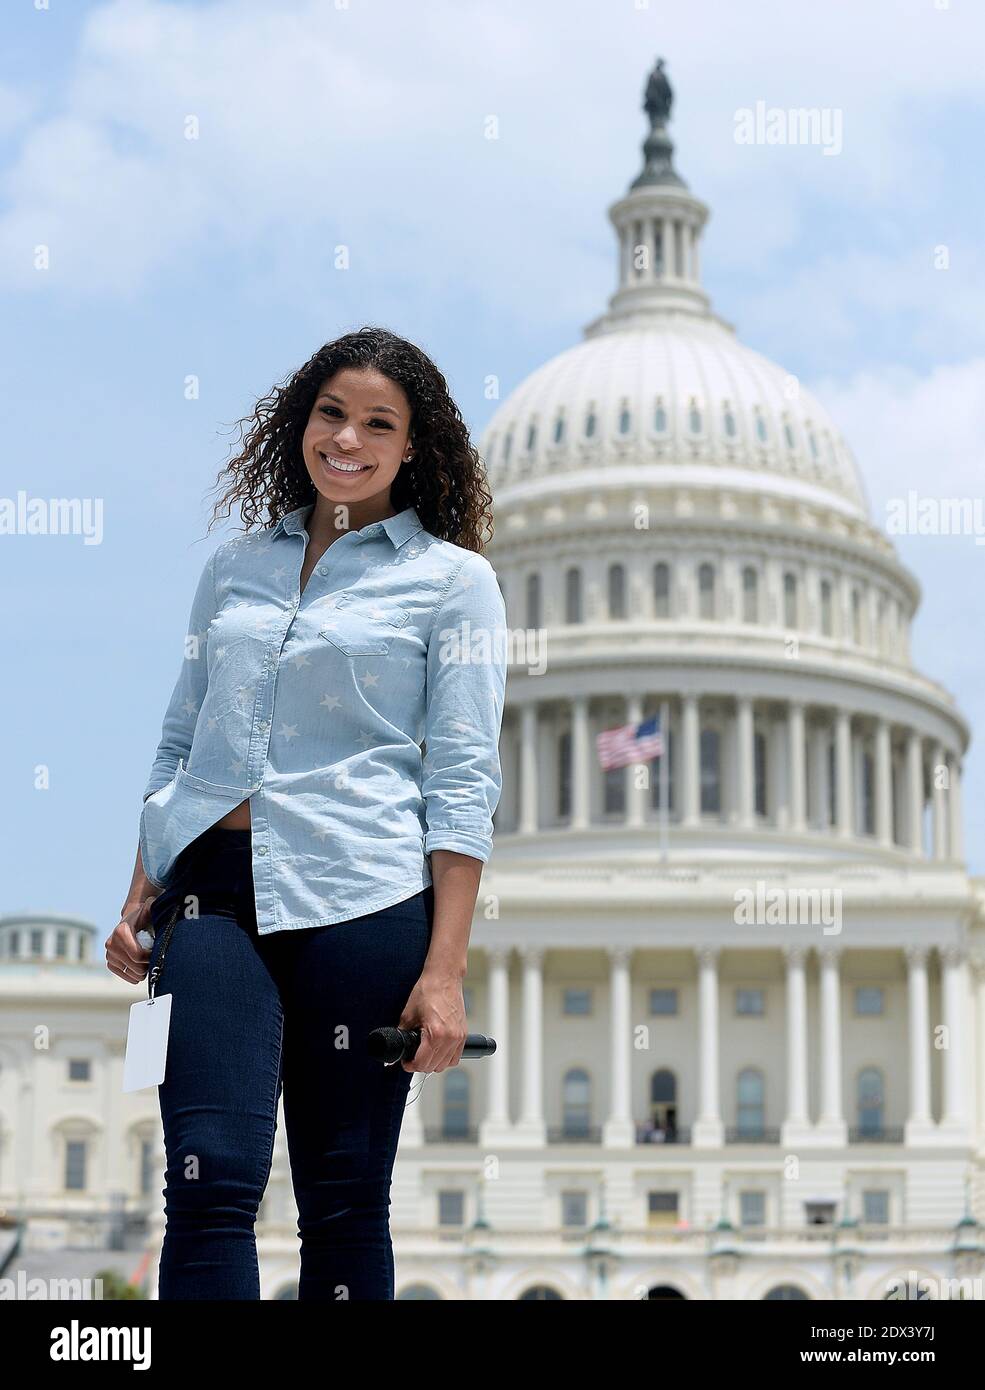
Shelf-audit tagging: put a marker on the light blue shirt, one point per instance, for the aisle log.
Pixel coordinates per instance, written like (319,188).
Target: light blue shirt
(314,706)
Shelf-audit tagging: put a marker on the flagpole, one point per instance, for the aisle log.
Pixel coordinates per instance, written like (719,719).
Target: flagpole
(664,774)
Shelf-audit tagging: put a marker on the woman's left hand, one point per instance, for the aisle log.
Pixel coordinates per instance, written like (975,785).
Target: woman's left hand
(437,1008)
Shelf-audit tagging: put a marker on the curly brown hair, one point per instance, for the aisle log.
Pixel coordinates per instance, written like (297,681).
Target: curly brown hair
(445,481)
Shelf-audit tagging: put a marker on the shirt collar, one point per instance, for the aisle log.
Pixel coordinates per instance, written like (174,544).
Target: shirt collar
(399,528)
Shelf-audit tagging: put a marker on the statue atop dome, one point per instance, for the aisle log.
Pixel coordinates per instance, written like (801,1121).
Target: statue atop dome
(659,96)
(658,150)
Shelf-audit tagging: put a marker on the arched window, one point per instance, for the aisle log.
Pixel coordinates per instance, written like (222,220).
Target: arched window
(790,600)
(759,771)
(559,429)
(455,1110)
(760,428)
(533,600)
(419,1292)
(711,780)
(789,435)
(531,437)
(572,596)
(856,617)
(590,424)
(827,623)
(729,421)
(540,1293)
(750,595)
(577,1102)
(663,1103)
(706,591)
(871,1100)
(787,1291)
(661,590)
(617,591)
(625,419)
(507,447)
(660,417)
(750,1102)
(694,417)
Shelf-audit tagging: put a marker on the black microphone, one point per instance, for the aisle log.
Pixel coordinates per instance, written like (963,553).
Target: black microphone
(400,1044)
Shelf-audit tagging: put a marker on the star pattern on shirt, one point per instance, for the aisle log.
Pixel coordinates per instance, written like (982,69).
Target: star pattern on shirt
(288,731)
(330,701)
(369,678)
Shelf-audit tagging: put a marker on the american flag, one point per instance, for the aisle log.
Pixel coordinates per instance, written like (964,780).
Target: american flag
(632,743)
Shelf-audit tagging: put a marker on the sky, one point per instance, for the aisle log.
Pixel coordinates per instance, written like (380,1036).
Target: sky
(318,124)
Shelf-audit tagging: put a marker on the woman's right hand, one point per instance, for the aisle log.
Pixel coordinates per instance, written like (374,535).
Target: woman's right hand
(125,956)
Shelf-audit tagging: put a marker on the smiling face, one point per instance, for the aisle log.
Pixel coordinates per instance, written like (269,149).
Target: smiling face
(357,437)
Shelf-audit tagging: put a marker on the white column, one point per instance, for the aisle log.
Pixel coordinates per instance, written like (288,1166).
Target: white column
(797,772)
(528,770)
(635,795)
(707,1130)
(919,1123)
(796,1125)
(883,785)
(954,988)
(531,1127)
(844,773)
(744,760)
(690,761)
(580,763)
(914,791)
(496,1127)
(955,825)
(831,1126)
(939,795)
(619,1130)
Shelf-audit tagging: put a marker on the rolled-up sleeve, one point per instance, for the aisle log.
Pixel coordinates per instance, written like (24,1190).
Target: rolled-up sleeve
(466,687)
(181,715)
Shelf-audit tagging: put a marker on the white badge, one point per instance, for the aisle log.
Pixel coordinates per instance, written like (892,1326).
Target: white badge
(147,1043)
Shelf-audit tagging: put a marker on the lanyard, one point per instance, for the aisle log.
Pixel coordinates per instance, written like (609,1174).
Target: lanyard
(155,973)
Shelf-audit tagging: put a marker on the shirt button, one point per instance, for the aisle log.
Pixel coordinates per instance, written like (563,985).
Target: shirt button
(262,849)
(264,723)
(322,570)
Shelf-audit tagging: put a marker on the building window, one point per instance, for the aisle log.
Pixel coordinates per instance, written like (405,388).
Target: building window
(617,591)
(788,435)
(625,420)
(706,592)
(729,421)
(577,1103)
(661,590)
(694,418)
(507,447)
(574,1209)
(451,1208)
(875,1207)
(790,600)
(663,1107)
(614,791)
(750,1103)
(655,779)
(868,795)
(759,771)
(146,1166)
(572,596)
(663,1002)
(871,1100)
(711,782)
(564,775)
(661,1208)
(750,1003)
(455,1104)
(578,1001)
(787,1292)
(79,1069)
(869,1000)
(590,424)
(533,600)
(559,429)
(37,943)
(819,1213)
(660,418)
(827,625)
(856,617)
(752,1208)
(760,428)
(750,595)
(75,1165)
(531,437)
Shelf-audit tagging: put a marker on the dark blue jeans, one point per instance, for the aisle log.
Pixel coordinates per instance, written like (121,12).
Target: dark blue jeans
(252,1014)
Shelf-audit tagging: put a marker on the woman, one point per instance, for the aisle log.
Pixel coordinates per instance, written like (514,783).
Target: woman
(309,869)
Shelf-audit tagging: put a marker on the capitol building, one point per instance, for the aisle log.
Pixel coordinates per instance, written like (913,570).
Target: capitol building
(739,1007)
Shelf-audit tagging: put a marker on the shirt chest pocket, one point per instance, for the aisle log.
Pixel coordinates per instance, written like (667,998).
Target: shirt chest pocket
(363,627)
